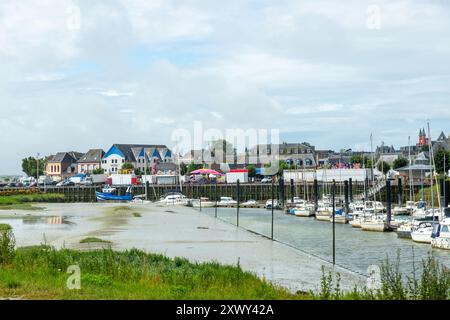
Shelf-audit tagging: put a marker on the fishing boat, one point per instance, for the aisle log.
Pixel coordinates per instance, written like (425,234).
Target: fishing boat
(110,195)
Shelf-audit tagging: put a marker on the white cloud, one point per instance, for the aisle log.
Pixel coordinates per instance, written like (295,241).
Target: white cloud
(114,93)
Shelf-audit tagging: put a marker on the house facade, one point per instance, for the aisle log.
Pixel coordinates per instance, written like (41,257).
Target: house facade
(62,164)
(90,161)
(142,157)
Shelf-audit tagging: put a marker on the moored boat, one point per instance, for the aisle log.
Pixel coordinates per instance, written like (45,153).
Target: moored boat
(111,196)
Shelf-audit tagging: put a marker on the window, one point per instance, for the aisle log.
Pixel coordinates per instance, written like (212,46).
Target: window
(123,160)
(444,229)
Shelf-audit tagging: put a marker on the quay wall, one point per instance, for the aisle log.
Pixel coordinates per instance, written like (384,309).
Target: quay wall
(248,191)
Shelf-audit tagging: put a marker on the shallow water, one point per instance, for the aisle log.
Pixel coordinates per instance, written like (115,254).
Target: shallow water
(355,249)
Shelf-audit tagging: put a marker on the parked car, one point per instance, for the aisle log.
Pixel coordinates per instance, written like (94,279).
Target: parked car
(266,180)
(276,204)
(65,183)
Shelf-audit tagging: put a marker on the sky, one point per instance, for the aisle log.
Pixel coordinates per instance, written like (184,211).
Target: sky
(78,74)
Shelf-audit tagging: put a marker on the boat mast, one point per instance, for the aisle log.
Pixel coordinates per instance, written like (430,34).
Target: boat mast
(433,168)
(410,170)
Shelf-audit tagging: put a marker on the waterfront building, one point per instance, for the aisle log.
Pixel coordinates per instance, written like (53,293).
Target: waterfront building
(90,161)
(141,156)
(299,155)
(62,164)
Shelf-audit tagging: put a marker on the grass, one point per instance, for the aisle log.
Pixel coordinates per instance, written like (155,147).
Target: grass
(433,284)
(94,240)
(40,273)
(24,202)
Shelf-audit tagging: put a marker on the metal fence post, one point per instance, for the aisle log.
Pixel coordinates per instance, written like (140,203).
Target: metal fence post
(273,196)
(238,199)
(333,193)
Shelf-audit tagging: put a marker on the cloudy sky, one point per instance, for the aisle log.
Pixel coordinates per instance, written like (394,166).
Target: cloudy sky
(78,74)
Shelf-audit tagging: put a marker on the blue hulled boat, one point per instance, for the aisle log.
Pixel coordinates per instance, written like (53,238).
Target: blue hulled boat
(109,195)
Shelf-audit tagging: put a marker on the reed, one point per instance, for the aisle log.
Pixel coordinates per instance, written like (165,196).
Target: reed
(432,284)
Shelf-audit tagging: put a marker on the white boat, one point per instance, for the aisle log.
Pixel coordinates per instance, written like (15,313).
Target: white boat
(305,211)
(250,203)
(297,201)
(374,207)
(174,199)
(276,204)
(324,211)
(400,211)
(203,203)
(374,223)
(339,217)
(422,233)
(404,231)
(440,238)
(226,201)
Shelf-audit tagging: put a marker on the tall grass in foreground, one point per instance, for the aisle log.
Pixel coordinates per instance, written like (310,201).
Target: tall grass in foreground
(40,272)
(433,284)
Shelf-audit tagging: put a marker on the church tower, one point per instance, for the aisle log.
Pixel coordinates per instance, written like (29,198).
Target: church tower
(422,137)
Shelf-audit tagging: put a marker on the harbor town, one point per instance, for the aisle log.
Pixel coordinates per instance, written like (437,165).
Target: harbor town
(224,156)
(355,207)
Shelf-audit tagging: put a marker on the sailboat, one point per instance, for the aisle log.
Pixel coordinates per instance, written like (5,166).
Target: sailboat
(423,232)
(374,222)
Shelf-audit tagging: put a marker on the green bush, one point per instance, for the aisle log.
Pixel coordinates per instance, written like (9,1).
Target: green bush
(7,244)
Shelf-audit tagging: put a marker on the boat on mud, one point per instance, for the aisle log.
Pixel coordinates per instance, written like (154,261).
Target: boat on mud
(110,194)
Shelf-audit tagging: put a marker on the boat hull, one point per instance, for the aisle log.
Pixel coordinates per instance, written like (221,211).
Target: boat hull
(355,223)
(441,243)
(111,197)
(341,220)
(404,234)
(322,217)
(421,237)
(303,213)
(374,226)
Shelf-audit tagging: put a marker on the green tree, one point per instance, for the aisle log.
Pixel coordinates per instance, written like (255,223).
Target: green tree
(251,170)
(29,166)
(383,166)
(425,148)
(193,166)
(138,172)
(400,162)
(439,160)
(356,158)
(183,168)
(98,171)
(127,166)
(282,165)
